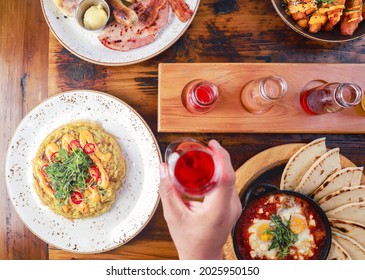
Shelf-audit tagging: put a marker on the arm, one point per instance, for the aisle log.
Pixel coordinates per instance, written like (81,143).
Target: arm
(200,229)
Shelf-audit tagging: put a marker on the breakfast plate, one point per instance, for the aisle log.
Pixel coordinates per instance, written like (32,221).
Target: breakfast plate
(86,45)
(333,36)
(136,200)
(267,167)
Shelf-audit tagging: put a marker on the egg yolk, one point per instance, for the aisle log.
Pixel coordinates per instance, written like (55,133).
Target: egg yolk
(262,234)
(297,224)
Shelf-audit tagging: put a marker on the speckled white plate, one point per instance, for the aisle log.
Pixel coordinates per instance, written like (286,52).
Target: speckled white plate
(86,45)
(136,200)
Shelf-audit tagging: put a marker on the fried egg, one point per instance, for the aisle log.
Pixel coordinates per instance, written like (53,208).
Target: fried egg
(260,241)
(298,225)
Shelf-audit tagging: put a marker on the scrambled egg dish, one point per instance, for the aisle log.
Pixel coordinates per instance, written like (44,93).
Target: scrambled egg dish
(77,170)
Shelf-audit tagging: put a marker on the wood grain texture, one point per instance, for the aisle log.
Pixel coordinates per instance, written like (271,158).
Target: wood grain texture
(222,31)
(286,116)
(23,84)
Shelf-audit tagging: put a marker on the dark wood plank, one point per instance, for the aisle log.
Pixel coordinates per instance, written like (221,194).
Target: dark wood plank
(223,31)
(23,84)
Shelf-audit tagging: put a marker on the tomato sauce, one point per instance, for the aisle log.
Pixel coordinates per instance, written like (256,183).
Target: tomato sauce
(263,208)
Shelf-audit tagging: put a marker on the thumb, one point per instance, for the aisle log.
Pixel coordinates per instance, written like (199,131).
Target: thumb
(172,202)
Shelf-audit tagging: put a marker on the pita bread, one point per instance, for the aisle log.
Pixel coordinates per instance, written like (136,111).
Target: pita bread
(300,162)
(347,177)
(341,197)
(323,167)
(355,250)
(351,229)
(352,212)
(337,252)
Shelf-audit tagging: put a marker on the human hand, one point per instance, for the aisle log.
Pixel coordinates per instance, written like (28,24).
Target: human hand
(200,229)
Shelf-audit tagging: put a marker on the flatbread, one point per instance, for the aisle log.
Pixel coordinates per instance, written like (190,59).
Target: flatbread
(355,250)
(300,162)
(351,229)
(346,177)
(352,212)
(341,197)
(337,252)
(323,167)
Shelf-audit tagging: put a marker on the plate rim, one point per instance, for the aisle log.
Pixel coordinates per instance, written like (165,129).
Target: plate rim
(120,63)
(150,215)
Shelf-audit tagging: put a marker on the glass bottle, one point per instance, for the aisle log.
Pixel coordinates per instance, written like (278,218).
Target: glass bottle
(259,95)
(199,96)
(330,97)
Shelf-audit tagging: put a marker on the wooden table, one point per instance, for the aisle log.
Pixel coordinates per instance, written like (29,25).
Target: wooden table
(34,65)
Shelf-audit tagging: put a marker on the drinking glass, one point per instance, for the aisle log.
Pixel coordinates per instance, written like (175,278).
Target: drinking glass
(192,166)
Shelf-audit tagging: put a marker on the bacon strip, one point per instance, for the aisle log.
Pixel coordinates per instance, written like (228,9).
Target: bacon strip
(118,37)
(181,9)
(150,14)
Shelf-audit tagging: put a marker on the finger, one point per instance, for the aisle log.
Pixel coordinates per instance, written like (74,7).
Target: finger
(226,188)
(192,205)
(224,160)
(172,202)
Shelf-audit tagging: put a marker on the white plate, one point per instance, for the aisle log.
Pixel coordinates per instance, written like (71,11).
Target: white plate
(136,200)
(86,45)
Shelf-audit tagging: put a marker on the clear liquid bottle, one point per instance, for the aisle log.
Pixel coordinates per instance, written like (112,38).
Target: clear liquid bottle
(199,96)
(330,98)
(259,95)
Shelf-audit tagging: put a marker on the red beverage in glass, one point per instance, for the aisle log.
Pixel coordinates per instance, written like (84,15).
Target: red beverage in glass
(192,167)
(194,170)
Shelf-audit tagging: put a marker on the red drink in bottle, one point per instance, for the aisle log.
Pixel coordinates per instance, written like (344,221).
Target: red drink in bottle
(330,98)
(199,96)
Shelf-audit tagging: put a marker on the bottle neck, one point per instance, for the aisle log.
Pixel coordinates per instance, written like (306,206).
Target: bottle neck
(204,94)
(348,95)
(273,88)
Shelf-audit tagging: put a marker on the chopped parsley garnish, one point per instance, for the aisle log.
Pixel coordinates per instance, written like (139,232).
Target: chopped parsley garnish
(325,1)
(283,237)
(70,173)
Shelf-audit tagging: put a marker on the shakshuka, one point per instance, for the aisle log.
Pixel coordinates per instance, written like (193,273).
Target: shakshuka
(280,226)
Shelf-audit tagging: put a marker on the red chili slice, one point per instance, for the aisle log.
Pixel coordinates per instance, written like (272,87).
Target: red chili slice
(94,174)
(43,171)
(53,156)
(73,143)
(89,148)
(76,197)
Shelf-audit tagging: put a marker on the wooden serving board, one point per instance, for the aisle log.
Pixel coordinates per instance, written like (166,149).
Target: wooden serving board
(287,116)
(260,164)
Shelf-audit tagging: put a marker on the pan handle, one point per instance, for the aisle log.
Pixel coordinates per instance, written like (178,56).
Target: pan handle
(256,191)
